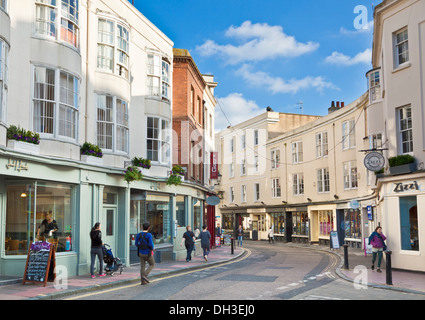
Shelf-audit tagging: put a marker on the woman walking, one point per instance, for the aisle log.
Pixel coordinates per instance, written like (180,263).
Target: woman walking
(377,239)
(96,249)
(205,241)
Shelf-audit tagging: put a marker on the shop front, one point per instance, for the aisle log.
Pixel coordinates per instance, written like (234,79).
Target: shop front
(402,207)
(322,222)
(300,225)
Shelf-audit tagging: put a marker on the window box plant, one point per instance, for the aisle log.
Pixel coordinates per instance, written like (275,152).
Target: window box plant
(143,164)
(176,176)
(402,164)
(132,173)
(91,153)
(23,140)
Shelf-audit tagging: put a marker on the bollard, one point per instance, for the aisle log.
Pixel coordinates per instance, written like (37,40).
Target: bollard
(232,243)
(345,256)
(388,270)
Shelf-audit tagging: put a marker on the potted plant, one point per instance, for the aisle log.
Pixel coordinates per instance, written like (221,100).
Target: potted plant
(132,173)
(402,164)
(176,176)
(141,162)
(20,139)
(91,153)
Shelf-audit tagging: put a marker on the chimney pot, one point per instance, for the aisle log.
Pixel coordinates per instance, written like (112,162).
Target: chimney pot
(333,104)
(337,104)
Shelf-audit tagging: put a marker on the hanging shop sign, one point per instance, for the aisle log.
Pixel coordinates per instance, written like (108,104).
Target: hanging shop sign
(374,161)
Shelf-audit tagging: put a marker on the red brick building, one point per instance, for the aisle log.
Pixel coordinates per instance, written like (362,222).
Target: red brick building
(188,116)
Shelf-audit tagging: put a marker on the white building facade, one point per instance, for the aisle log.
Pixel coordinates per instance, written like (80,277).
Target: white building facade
(76,71)
(397,126)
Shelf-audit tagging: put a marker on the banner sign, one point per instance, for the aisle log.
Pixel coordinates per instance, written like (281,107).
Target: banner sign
(214,165)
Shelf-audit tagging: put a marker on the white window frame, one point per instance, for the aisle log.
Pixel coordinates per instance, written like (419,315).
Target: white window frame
(64,15)
(256,164)
(275,158)
(322,144)
(405,129)
(118,122)
(256,192)
(243,142)
(256,139)
(243,193)
(163,141)
(232,145)
(231,170)
(401,47)
(374,85)
(4,62)
(276,188)
(243,167)
(232,195)
(323,180)
(56,104)
(375,141)
(117,42)
(348,134)
(297,152)
(158,78)
(298,184)
(350,175)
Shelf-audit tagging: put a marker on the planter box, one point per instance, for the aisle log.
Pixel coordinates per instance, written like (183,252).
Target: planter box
(92,160)
(403,169)
(22,146)
(145,172)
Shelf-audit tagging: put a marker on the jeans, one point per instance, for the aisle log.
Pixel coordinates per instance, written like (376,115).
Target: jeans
(240,241)
(96,251)
(376,251)
(189,249)
(206,250)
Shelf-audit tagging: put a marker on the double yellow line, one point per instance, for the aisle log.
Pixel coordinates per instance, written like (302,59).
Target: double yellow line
(244,256)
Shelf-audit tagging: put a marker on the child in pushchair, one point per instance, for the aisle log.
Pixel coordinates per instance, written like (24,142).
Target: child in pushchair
(113,264)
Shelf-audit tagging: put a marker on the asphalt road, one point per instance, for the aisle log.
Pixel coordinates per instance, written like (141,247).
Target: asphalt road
(266,272)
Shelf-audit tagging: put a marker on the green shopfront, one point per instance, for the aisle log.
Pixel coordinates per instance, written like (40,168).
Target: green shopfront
(77,195)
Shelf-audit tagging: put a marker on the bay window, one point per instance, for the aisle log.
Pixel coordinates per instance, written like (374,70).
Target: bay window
(158,77)
(113,47)
(158,140)
(55,102)
(50,17)
(112,124)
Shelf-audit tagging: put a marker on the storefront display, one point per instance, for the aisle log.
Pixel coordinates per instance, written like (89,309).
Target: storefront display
(352,223)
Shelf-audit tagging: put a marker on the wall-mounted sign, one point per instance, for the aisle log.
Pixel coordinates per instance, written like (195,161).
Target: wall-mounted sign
(369,213)
(354,204)
(406,186)
(19,165)
(374,161)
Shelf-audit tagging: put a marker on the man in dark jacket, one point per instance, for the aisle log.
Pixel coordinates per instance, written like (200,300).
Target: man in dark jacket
(144,244)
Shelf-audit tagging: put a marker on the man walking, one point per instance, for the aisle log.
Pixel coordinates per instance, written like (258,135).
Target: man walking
(144,244)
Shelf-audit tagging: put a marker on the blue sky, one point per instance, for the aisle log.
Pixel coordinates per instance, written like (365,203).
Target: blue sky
(273,53)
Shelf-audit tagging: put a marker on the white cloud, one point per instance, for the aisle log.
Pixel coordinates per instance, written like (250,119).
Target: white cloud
(338,58)
(236,108)
(260,42)
(367,29)
(280,85)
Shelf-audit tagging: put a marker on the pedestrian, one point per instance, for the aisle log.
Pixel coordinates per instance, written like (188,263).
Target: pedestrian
(205,241)
(189,241)
(96,249)
(271,235)
(240,233)
(218,235)
(145,247)
(377,240)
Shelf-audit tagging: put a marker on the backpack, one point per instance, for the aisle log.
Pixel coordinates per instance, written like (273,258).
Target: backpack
(143,245)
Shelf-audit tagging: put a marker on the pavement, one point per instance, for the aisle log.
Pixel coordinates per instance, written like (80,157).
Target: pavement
(11,288)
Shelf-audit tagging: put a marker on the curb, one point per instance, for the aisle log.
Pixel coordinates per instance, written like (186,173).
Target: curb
(98,287)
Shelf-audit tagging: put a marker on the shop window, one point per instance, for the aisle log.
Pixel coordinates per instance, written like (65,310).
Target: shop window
(181,211)
(159,216)
(22,224)
(278,222)
(300,223)
(409,224)
(326,222)
(352,220)
(197,209)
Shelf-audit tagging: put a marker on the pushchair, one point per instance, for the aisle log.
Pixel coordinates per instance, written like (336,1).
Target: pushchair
(113,264)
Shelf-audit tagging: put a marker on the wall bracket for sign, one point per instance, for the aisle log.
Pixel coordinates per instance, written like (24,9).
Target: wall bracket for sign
(41,263)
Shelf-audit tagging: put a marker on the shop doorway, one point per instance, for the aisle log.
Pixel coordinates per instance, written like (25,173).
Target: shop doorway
(314,227)
(109,227)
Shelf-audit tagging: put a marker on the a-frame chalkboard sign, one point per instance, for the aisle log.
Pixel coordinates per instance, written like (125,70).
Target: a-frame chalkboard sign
(41,263)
